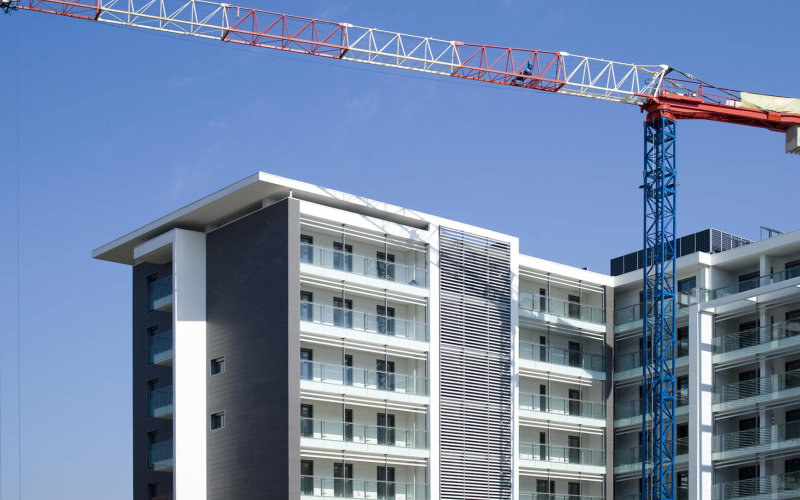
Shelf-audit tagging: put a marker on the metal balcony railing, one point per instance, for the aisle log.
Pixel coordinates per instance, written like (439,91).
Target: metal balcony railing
(562,406)
(160,348)
(363,322)
(634,359)
(627,317)
(561,454)
(527,495)
(365,379)
(536,303)
(757,390)
(756,336)
(756,440)
(334,487)
(363,266)
(633,455)
(776,486)
(749,284)
(349,432)
(559,356)
(633,408)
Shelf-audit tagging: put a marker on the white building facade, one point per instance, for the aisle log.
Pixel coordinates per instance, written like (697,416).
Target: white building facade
(291,341)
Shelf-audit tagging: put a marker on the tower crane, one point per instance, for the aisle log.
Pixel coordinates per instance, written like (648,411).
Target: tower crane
(665,94)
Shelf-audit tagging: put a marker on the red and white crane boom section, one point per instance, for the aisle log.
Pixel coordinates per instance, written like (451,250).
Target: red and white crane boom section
(646,86)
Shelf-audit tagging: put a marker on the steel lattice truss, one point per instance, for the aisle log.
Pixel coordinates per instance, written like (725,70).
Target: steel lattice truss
(658,339)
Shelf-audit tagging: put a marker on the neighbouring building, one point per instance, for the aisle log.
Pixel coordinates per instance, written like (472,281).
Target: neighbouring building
(296,342)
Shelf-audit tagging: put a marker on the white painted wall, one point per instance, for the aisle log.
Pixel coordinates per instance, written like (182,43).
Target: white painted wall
(189,366)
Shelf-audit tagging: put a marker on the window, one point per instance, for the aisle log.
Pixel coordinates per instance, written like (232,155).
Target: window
(574,306)
(748,335)
(748,281)
(545,486)
(685,288)
(574,354)
(151,333)
(792,424)
(792,323)
(348,425)
(542,300)
(152,491)
(574,449)
(574,490)
(342,480)
(218,365)
(792,373)
(385,320)
(683,341)
(385,375)
(307,477)
(152,439)
(306,364)
(342,312)
(151,281)
(385,483)
(386,433)
(385,266)
(542,397)
(748,431)
(152,387)
(306,306)
(306,249)
(348,369)
(542,348)
(792,269)
(217,420)
(543,446)
(307,420)
(574,402)
(342,257)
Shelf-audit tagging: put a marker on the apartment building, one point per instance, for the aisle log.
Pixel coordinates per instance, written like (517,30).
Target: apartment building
(292,341)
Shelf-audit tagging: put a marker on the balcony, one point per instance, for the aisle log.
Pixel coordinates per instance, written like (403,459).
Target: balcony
(159,294)
(757,390)
(562,406)
(749,284)
(160,403)
(540,304)
(630,317)
(328,487)
(363,266)
(630,459)
(632,409)
(562,454)
(772,487)
(347,376)
(757,340)
(363,322)
(633,360)
(561,357)
(759,440)
(347,432)
(160,456)
(683,494)
(160,349)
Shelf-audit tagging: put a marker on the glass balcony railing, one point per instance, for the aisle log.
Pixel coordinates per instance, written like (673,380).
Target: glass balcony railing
(629,317)
(363,434)
(561,454)
(160,455)
(559,356)
(160,402)
(758,389)
(756,440)
(634,359)
(756,336)
(529,495)
(776,486)
(364,379)
(159,294)
(633,408)
(363,266)
(749,284)
(363,322)
(562,406)
(536,303)
(633,455)
(160,348)
(331,487)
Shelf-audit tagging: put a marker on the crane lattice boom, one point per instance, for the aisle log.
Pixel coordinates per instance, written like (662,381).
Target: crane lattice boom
(647,86)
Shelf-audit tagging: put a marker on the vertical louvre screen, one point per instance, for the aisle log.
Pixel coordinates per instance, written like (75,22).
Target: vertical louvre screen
(475,376)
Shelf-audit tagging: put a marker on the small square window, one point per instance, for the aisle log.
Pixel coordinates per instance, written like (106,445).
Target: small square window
(217,365)
(217,420)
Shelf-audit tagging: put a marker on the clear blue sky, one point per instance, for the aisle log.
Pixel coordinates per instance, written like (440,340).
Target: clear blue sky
(119,126)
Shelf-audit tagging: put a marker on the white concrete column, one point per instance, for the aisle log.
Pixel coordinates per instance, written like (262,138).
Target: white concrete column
(515,486)
(701,394)
(434,363)
(189,363)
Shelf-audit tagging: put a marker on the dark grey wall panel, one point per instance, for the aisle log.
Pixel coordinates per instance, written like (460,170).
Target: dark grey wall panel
(253,321)
(475,373)
(142,372)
